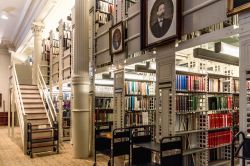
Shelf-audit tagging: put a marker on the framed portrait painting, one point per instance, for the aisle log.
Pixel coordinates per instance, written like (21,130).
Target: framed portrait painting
(237,6)
(116,38)
(160,22)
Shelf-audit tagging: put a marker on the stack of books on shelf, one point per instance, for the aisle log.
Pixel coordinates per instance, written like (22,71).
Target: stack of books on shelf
(220,103)
(104,91)
(186,103)
(220,120)
(190,83)
(104,117)
(55,45)
(235,86)
(106,6)
(219,138)
(137,103)
(104,103)
(137,119)
(139,88)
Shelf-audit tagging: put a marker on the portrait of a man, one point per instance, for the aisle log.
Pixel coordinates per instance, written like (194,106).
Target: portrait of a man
(117,39)
(160,20)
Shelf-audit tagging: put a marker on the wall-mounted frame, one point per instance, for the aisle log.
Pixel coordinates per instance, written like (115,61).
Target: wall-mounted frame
(116,38)
(160,22)
(0,100)
(237,6)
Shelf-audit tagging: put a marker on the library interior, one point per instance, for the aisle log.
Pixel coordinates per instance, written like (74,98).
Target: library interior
(125,82)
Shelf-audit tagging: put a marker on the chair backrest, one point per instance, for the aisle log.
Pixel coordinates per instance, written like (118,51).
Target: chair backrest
(171,151)
(121,142)
(141,156)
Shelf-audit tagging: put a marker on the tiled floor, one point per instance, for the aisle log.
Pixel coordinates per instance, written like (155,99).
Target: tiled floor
(11,154)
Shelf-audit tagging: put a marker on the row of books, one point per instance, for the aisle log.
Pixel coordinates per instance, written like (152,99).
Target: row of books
(136,119)
(190,83)
(220,103)
(104,103)
(236,102)
(139,88)
(216,139)
(105,6)
(104,90)
(102,18)
(186,103)
(220,120)
(103,117)
(135,103)
(218,85)
(236,85)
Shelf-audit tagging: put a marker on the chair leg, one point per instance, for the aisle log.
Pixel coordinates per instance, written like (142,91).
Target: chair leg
(243,162)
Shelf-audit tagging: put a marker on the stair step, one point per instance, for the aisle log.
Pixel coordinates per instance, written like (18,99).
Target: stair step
(42,144)
(31,96)
(38,121)
(39,106)
(35,113)
(28,87)
(44,116)
(34,101)
(41,135)
(40,126)
(27,91)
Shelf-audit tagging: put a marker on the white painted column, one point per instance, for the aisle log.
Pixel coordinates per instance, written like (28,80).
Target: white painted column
(80,82)
(37,29)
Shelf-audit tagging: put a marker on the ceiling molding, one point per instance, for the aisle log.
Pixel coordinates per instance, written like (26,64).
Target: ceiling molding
(31,15)
(21,18)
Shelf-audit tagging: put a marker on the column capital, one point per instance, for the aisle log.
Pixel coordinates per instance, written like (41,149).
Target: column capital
(37,27)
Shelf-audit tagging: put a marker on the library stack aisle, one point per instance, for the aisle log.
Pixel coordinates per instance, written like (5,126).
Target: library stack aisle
(80,83)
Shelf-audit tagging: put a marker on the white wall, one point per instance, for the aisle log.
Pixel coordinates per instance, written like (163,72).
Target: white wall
(4,78)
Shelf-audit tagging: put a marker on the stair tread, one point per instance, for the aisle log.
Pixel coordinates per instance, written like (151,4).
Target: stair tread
(37,118)
(35,112)
(45,146)
(42,131)
(42,140)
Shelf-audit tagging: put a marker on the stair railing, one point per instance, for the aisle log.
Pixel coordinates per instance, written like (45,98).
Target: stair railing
(22,117)
(44,91)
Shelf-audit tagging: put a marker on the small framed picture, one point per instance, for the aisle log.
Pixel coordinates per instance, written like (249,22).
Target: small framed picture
(116,38)
(236,6)
(160,22)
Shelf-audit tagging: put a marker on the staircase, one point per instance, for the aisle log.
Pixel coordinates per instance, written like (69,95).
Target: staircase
(41,135)
(36,113)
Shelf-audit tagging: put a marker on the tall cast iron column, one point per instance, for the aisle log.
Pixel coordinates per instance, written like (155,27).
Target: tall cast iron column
(80,82)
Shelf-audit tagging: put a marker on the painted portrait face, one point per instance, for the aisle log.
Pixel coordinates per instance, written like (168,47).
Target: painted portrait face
(117,36)
(161,10)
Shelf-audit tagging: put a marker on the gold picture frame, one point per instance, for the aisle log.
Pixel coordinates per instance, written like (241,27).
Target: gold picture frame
(240,7)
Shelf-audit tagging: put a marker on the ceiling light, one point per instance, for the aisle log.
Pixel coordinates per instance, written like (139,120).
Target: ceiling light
(4,17)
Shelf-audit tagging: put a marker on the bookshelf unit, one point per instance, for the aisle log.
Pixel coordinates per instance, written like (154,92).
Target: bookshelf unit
(45,64)
(104,10)
(134,100)
(207,109)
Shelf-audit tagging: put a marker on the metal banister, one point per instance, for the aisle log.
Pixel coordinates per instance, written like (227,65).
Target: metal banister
(46,95)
